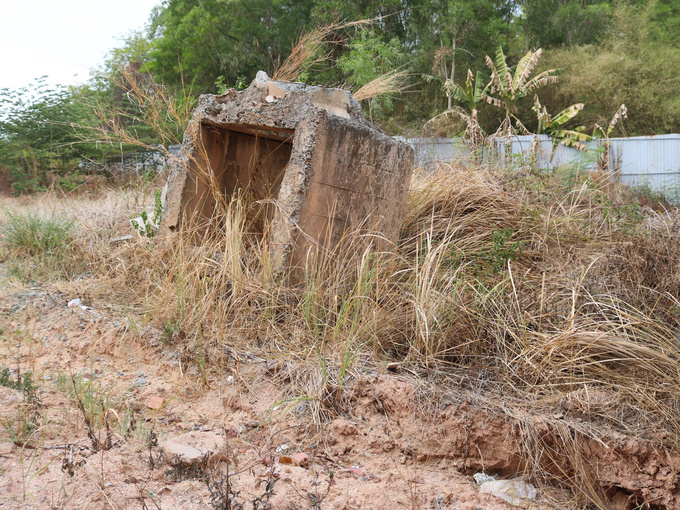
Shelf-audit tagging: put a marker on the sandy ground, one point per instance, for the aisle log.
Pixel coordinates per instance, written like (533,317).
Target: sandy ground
(368,453)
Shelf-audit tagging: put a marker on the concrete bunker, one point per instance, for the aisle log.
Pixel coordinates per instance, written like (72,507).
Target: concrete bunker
(247,162)
(303,158)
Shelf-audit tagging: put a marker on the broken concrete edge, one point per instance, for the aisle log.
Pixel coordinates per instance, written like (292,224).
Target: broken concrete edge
(340,169)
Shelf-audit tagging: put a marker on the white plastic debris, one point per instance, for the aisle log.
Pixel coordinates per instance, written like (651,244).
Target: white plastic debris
(482,477)
(513,491)
(77,303)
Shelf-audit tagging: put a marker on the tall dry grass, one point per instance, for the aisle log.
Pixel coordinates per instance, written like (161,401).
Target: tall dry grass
(551,291)
(487,271)
(554,292)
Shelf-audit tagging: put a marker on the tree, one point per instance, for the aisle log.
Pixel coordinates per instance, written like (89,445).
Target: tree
(631,65)
(368,58)
(201,40)
(453,32)
(555,23)
(39,131)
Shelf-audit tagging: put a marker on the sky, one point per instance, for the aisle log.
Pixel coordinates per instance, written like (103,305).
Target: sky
(63,39)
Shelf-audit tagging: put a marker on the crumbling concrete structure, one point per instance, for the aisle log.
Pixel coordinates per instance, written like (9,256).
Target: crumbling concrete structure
(309,164)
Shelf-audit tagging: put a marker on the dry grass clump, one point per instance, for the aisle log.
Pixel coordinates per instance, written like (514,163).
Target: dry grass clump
(310,49)
(553,289)
(388,83)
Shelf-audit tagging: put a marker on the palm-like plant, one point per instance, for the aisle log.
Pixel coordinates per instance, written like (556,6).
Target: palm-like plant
(553,126)
(470,95)
(510,84)
(600,132)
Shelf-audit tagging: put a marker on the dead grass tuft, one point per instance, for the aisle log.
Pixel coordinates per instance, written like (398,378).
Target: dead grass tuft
(388,83)
(310,49)
(552,291)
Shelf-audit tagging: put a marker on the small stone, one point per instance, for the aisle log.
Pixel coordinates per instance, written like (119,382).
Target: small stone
(177,453)
(140,381)
(393,367)
(285,459)
(301,459)
(356,471)
(155,402)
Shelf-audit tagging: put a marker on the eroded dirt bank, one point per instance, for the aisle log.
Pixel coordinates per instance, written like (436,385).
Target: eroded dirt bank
(387,442)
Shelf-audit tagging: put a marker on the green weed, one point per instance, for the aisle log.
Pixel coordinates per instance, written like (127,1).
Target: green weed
(26,422)
(33,235)
(100,408)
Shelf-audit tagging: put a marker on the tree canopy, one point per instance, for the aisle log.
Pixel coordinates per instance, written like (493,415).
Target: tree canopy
(609,53)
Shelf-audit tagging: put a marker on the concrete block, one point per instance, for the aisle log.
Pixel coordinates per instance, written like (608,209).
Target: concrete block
(307,162)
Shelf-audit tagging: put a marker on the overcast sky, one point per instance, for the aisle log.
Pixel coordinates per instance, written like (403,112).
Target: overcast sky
(63,39)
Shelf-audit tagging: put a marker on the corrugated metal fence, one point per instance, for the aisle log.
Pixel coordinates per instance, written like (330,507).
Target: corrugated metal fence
(652,161)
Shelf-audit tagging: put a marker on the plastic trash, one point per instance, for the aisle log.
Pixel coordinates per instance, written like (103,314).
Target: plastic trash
(77,303)
(513,491)
(482,477)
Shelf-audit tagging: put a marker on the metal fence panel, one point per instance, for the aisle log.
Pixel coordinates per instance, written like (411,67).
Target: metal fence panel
(650,161)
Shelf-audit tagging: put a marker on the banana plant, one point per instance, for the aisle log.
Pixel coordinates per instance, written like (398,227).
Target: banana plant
(621,114)
(510,84)
(604,134)
(553,126)
(471,94)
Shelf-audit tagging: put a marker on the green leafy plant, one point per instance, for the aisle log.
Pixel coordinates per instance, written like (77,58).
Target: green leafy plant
(144,226)
(554,126)
(369,58)
(510,84)
(604,134)
(26,422)
(100,409)
(502,249)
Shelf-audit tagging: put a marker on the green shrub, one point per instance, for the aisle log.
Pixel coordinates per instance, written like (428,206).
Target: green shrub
(33,235)
(39,247)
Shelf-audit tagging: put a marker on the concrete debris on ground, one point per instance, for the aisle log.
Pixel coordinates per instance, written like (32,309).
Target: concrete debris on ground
(191,448)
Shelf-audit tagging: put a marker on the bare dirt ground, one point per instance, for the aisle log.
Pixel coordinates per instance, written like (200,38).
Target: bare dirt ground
(386,451)
(386,447)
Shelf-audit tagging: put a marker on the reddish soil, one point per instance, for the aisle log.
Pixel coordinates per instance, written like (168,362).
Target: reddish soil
(385,442)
